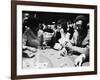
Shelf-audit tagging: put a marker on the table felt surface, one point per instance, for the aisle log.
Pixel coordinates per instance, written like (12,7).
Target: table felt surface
(49,58)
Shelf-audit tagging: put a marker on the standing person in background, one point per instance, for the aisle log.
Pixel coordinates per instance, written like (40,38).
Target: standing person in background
(40,34)
(79,44)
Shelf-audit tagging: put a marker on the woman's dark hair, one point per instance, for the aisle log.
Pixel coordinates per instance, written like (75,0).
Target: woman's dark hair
(63,24)
(32,23)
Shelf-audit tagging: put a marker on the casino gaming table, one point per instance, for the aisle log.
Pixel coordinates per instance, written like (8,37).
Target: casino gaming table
(49,58)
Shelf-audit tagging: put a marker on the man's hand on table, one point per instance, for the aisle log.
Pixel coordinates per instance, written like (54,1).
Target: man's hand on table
(79,60)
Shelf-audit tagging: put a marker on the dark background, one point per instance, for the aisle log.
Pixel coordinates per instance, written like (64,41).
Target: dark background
(49,17)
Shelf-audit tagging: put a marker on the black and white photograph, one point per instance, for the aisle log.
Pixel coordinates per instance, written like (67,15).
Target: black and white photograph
(52,40)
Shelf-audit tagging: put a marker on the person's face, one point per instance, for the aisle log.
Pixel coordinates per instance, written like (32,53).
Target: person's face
(78,25)
(59,27)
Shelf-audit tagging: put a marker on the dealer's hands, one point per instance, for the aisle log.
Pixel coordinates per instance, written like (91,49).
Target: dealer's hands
(79,60)
(69,45)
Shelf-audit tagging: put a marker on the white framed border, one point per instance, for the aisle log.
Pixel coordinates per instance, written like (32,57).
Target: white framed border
(21,71)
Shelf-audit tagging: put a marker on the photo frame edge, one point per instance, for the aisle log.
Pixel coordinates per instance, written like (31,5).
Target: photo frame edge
(14,43)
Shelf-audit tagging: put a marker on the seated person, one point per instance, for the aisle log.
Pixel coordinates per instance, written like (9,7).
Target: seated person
(79,44)
(61,36)
(30,40)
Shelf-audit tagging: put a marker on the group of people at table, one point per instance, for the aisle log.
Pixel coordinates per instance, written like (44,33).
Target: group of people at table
(73,40)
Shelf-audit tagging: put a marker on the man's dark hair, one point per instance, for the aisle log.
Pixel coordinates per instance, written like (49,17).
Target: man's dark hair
(83,18)
(80,17)
(84,28)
